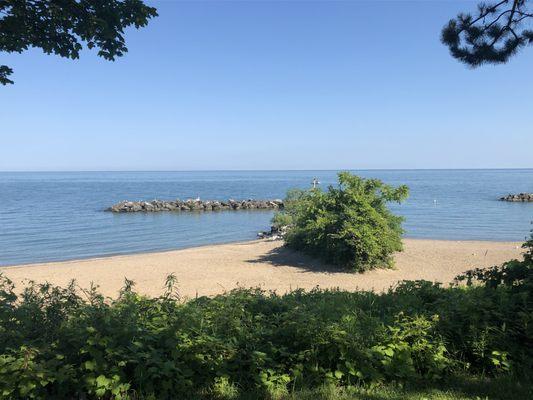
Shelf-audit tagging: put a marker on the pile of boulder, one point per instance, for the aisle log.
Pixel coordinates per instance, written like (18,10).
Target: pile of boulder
(275,233)
(195,205)
(518,197)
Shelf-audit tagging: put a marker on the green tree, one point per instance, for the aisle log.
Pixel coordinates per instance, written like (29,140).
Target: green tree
(61,27)
(349,225)
(492,35)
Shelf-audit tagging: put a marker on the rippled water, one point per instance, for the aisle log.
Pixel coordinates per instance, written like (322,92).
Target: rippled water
(58,216)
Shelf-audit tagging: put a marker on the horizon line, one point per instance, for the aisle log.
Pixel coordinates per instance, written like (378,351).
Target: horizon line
(267,170)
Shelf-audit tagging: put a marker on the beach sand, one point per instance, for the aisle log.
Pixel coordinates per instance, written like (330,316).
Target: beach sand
(210,270)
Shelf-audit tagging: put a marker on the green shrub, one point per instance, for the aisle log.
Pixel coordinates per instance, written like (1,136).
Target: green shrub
(513,273)
(349,226)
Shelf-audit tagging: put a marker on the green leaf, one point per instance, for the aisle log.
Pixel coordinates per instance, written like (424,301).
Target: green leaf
(89,365)
(388,351)
(102,381)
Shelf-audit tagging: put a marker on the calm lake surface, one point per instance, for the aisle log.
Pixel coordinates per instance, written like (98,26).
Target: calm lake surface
(59,216)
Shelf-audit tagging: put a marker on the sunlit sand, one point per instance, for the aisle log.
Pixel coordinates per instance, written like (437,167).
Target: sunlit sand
(210,270)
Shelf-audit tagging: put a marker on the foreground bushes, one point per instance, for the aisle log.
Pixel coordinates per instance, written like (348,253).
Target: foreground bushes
(58,343)
(349,226)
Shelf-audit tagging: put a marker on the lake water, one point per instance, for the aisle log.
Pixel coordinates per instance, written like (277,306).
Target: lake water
(59,216)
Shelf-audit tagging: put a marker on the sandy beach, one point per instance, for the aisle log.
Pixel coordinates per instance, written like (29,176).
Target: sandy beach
(214,269)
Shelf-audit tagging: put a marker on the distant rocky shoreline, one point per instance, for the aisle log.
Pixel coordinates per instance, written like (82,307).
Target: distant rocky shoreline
(520,197)
(194,205)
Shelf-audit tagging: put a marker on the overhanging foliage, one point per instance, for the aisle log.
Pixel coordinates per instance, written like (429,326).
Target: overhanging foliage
(495,33)
(62,26)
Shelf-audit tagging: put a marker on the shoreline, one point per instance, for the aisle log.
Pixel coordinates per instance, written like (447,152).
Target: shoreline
(118,255)
(213,269)
(199,246)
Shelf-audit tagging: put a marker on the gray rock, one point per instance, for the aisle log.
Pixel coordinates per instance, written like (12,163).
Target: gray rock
(195,205)
(520,197)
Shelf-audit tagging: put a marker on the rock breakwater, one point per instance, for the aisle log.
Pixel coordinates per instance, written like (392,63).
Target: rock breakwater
(194,205)
(518,197)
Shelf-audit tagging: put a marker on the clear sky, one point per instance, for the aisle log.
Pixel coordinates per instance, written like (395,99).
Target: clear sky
(271,85)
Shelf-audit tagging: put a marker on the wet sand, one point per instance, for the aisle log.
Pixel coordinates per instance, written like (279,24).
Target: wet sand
(214,269)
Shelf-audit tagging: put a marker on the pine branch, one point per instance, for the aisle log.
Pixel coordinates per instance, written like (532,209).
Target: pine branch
(476,40)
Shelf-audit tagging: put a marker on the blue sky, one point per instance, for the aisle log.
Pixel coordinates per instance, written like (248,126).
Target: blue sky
(271,85)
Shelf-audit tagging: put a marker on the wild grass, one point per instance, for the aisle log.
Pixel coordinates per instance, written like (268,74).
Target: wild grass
(465,388)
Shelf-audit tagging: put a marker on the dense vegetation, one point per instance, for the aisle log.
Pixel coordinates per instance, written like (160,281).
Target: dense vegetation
(349,225)
(59,343)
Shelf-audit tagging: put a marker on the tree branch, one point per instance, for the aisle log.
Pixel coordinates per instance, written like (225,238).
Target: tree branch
(508,26)
(489,10)
(479,39)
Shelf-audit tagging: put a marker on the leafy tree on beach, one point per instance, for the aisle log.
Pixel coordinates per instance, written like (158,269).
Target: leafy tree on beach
(62,26)
(492,35)
(349,225)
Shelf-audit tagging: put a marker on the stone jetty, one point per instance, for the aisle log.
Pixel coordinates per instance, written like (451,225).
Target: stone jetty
(525,197)
(194,205)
